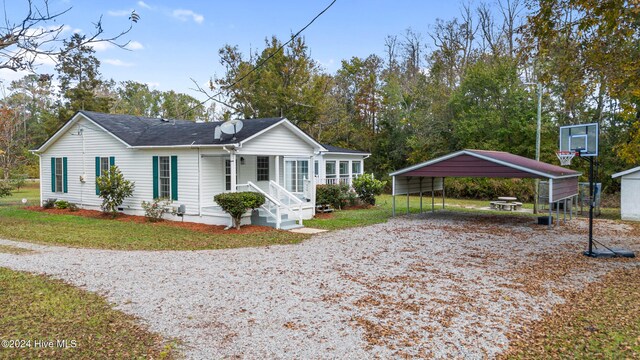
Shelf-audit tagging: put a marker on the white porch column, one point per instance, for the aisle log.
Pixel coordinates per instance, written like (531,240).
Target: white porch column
(350,172)
(234,171)
(277,167)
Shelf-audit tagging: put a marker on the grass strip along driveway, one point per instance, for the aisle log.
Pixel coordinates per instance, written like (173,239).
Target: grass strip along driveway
(69,230)
(45,318)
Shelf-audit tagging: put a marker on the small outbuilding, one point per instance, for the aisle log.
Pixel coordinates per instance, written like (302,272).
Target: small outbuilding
(629,193)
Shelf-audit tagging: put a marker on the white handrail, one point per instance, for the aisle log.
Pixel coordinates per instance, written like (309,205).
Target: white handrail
(268,197)
(280,189)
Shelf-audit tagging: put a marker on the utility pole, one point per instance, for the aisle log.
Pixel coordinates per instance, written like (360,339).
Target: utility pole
(538,129)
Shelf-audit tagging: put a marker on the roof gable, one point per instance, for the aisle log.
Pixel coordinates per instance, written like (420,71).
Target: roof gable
(626,172)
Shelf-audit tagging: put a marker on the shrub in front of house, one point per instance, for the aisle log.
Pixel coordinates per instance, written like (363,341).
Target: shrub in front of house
(237,203)
(368,188)
(114,188)
(5,189)
(49,203)
(73,207)
(335,195)
(155,210)
(62,204)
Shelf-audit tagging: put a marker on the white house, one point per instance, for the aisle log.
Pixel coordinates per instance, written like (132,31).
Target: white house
(629,193)
(338,165)
(187,162)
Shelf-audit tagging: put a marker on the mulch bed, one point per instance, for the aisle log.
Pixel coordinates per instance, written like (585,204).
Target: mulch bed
(210,229)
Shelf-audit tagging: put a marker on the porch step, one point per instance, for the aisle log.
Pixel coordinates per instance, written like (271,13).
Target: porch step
(260,218)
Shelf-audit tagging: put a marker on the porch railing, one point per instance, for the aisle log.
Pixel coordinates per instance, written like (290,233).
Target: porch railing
(341,180)
(271,206)
(287,199)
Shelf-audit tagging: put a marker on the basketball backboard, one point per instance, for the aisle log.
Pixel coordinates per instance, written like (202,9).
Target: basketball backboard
(580,138)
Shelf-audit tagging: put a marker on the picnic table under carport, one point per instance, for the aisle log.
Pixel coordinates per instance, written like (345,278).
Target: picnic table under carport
(430,176)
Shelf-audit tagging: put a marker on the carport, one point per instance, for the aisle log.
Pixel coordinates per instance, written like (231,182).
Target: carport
(429,176)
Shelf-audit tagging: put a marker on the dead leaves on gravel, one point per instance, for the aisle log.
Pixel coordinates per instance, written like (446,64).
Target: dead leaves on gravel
(406,314)
(602,321)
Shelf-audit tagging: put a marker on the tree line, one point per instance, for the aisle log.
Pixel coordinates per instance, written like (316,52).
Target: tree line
(469,82)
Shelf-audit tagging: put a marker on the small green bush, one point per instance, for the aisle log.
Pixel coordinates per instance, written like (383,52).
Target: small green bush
(114,188)
(155,210)
(62,204)
(335,195)
(73,207)
(368,188)
(5,189)
(49,203)
(236,204)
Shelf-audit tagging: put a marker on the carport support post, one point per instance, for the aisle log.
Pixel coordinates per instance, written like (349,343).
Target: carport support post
(442,193)
(550,215)
(433,197)
(557,212)
(564,209)
(421,194)
(408,180)
(393,196)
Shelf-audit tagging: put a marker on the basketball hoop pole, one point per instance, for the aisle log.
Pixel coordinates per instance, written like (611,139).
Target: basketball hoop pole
(591,206)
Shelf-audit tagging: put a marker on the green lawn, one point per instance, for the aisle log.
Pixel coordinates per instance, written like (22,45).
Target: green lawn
(37,308)
(31,192)
(382,211)
(70,230)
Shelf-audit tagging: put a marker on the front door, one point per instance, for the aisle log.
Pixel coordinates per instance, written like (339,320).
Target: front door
(295,172)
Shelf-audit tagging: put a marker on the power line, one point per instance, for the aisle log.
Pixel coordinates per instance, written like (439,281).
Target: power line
(261,63)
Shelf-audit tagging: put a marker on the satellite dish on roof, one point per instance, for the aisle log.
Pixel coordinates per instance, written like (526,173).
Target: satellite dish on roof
(231,127)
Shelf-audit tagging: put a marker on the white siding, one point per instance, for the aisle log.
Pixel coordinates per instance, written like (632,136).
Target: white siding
(136,165)
(277,141)
(630,193)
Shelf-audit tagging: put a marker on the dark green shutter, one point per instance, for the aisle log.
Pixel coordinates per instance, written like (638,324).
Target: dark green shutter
(64,175)
(53,174)
(112,160)
(155,177)
(97,174)
(174,178)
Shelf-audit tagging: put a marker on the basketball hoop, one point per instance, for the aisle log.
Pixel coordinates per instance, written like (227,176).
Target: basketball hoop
(565,157)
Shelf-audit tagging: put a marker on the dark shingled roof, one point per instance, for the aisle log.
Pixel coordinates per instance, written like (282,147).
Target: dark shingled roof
(144,131)
(335,149)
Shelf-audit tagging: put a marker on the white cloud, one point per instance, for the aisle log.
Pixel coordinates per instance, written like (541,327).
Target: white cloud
(184,15)
(153,85)
(117,62)
(119,12)
(144,5)
(134,45)
(101,46)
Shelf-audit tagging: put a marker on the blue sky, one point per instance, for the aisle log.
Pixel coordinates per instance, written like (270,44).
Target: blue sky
(175,41)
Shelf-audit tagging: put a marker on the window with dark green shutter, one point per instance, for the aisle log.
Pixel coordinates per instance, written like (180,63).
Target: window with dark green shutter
(174,177)
(59,175)
(165,177)
(102,167)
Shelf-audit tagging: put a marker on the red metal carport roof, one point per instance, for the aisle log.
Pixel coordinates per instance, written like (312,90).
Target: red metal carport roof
(485,163)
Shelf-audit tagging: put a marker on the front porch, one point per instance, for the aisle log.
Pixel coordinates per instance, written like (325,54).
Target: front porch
(285,181)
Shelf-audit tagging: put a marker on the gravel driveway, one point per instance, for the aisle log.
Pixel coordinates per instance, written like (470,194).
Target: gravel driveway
(437,285)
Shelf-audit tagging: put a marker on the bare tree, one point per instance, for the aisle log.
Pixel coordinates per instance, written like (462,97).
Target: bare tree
(37,34)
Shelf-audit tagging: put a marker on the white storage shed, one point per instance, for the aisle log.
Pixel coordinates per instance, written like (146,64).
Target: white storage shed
(629,193)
